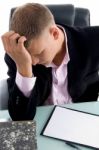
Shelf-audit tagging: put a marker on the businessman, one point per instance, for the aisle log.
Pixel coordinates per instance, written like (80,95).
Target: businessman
(48,63)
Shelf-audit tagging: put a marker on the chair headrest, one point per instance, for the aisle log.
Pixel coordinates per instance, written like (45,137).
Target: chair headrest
(68,14)
(63,13)
(82,17)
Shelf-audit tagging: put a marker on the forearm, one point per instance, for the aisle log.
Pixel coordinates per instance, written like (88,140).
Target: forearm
(20,107)
(25,84)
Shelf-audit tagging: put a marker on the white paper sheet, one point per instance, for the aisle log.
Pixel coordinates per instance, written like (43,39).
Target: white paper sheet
(74,126)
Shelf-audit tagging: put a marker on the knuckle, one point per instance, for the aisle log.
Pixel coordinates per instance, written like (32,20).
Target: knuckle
(14,36)
(21,39)
(2,37)
(11,38)
(17,35)
(6,49)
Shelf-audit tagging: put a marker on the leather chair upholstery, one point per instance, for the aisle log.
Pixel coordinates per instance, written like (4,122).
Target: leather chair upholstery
(63,13)
(82,17)
(68,14)
(3,94)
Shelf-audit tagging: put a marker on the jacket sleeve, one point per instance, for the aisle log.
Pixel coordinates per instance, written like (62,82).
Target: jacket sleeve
(19,106)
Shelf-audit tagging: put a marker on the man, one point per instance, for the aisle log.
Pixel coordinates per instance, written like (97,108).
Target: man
(48,63)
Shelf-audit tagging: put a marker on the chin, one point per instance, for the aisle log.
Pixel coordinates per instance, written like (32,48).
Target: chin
(47,65)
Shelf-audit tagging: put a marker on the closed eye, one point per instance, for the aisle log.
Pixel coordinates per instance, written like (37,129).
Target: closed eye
(40,54)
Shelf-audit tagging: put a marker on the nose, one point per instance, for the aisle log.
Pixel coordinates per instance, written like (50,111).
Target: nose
(35,61)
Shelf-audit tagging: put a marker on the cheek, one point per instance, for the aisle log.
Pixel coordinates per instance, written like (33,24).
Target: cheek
(50,56)
(35,60)
(51,53)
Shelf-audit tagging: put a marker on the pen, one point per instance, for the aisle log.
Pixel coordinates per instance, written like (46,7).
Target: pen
(72,145)
(76,147)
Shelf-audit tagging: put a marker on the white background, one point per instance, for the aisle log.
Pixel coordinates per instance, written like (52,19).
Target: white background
(6,5)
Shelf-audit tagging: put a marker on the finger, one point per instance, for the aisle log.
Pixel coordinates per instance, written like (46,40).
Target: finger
(21,41)
(5,39)
(7,34)
(13,39)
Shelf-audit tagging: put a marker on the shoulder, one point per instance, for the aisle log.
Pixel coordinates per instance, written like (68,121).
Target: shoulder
(81,30)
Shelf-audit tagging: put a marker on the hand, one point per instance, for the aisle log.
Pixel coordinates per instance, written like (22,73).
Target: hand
(18,52)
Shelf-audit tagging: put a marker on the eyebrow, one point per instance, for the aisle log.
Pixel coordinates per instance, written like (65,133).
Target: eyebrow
(38,53)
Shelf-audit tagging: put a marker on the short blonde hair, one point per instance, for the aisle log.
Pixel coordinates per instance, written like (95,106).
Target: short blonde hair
(31,19)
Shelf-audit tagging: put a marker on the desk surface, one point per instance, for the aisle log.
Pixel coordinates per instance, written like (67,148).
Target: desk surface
(45,143)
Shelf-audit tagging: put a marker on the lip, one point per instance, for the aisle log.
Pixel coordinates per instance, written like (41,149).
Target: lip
(41,63)
(45,64)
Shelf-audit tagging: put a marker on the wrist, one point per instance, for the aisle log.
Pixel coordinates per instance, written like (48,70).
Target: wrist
(25,71)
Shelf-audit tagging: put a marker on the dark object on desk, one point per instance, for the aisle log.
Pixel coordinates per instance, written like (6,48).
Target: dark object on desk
(72,145)
(18,135)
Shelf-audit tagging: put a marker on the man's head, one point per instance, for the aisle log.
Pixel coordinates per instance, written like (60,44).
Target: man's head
(31,19)
(36,23)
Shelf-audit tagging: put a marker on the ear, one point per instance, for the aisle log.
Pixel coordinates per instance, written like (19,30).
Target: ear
(54,32)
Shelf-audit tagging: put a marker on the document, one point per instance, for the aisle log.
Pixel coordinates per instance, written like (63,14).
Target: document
(73,126)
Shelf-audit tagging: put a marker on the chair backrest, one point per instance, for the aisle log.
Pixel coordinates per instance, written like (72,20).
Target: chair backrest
(3,94)
(63,13)
(82,17)
(68,14)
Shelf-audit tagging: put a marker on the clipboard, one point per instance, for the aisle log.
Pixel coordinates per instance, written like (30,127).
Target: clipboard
(73,126)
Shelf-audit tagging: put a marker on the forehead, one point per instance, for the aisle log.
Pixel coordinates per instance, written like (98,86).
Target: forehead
(36,45)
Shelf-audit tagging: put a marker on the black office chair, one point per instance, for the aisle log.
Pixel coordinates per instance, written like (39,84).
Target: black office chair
(70,15)
(82,17)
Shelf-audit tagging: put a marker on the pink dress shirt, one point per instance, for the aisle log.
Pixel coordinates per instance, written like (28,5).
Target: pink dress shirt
(59,93)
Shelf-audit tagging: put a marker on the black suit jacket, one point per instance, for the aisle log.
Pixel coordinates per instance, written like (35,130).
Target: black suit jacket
(83,75)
